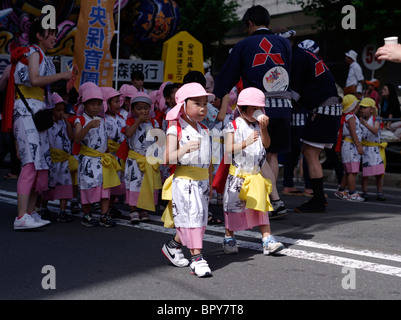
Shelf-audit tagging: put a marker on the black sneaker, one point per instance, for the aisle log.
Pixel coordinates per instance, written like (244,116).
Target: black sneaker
(63,216)
(311,207)
(279,211)
(114,212)
(89,221)
(74,207)
(105,221)
(45,213)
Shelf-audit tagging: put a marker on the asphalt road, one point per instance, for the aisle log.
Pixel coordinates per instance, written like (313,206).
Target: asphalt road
(350,252)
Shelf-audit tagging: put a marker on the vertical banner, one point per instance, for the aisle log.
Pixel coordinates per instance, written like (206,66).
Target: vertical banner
(95,31)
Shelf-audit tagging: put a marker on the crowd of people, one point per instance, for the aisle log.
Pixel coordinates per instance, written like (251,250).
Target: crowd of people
(190,145)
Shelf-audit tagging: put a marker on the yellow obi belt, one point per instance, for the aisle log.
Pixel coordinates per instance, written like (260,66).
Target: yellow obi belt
(31,92)
(109,163)
(151,179)
(382,148)
(255,190)
(182,172)
(58,156)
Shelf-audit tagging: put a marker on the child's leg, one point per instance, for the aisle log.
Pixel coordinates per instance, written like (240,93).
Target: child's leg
(105,204)
(63,204)
(364,184)
(86,208)
(351,182)
(379,183)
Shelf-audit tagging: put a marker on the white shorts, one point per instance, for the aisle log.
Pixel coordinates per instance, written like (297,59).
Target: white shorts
(319,145)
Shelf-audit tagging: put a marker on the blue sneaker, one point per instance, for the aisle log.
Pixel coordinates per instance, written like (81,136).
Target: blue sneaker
(230,246)
(271,246)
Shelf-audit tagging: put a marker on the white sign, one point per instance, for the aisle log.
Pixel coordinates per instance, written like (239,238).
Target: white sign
(369,59)
(152,69)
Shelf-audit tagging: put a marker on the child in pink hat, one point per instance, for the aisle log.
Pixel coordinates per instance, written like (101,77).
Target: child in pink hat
(246,139)
(127,92)
(91,135)
(114,124)
(188,146)
(60,179)
(138,131)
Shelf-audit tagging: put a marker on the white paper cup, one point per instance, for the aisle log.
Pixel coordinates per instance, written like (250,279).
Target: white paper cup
(96,118)
(197,137)
(257,114)
(391,40)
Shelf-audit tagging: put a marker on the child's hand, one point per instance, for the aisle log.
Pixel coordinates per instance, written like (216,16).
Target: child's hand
(192,145)
(143,119)
(94,124)
(253,137)
(263,122)
(360,150)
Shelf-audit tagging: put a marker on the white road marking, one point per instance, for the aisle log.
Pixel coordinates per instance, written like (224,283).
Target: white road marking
(257,246)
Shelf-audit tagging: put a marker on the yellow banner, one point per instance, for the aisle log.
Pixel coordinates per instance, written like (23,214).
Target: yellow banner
(181,54)
(95,31)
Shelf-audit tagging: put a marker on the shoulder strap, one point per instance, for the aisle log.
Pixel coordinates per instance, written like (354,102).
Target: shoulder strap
(24,100)
(178,126)
(234,124)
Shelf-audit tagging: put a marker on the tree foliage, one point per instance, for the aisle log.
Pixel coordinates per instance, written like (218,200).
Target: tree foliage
(375,19)
(208,20)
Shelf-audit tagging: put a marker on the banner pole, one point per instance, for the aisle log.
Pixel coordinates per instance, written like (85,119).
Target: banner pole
(117,45)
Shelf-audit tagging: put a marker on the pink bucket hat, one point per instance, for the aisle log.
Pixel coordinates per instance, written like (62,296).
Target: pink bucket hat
(189,90)
(252,97)
(88,91)
(108,93)
(56,99)
(127,91)
(158,98)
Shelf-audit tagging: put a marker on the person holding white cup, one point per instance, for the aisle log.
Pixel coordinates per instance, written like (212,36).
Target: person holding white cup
(391,51)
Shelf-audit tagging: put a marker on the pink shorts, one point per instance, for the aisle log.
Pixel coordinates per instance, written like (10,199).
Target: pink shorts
(94,195)
(245,220)
(192,238)
(57,193)
(119,190)
(131,197)
(32,179)
(351,167)
(373,170)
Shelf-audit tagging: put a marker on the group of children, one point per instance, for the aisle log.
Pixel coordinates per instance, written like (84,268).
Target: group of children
(132,144)
(360,146)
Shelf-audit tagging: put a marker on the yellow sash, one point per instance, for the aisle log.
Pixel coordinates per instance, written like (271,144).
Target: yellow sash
(113,146)
(382,148)
(255,190)
(58,155)
(151,179)
(109,163)
(31,92)
(183,172)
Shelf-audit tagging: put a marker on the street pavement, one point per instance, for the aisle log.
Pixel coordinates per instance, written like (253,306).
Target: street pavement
(350,252)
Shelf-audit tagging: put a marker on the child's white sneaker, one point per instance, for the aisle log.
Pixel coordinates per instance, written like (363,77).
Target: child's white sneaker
(38,218)
(355,197)
(175,255)
(26,222)
(200,268)
(271,245)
